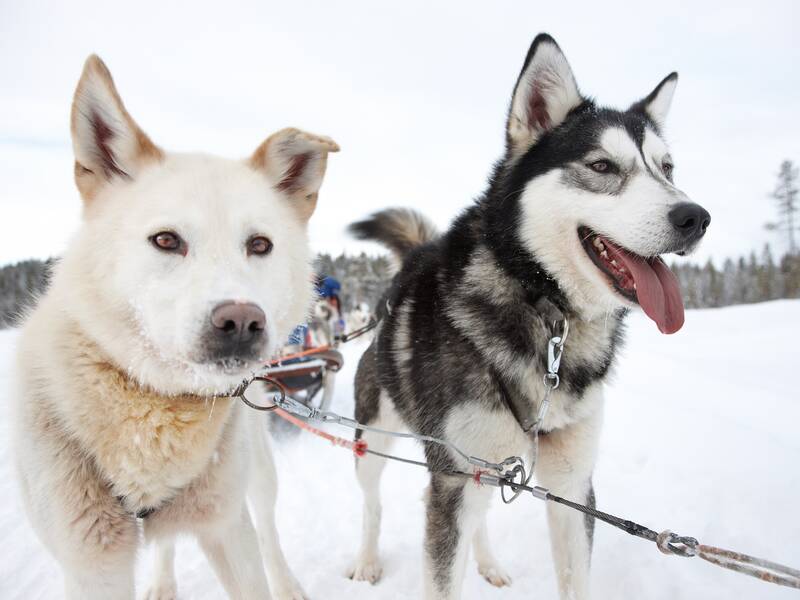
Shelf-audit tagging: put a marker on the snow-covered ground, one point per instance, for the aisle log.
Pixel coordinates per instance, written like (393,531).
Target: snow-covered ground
(701,437)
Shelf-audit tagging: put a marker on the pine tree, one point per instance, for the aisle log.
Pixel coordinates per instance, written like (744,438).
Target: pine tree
(365,279)
(790,271)
(730,282)
(770,282)
(713,285)
(751,290)
(785,195)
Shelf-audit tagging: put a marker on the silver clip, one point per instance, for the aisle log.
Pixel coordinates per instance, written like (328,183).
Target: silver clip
(296,407)
(555,348)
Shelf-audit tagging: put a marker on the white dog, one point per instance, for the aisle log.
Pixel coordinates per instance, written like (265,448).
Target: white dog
(187,272)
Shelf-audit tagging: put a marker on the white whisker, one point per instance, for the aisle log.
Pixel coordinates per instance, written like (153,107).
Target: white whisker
(213,404)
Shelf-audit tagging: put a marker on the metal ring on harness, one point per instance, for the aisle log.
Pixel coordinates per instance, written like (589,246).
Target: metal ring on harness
(517,477)
(240,393)
(551,380)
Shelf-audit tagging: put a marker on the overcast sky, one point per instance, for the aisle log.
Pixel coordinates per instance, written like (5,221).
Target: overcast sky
(415,94)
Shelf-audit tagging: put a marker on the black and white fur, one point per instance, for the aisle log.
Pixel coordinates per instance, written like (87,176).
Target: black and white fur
(462,320)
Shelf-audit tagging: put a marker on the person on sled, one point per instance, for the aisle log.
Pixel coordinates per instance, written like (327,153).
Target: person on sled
(328,321)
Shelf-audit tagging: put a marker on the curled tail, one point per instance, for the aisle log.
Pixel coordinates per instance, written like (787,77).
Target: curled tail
(399,229)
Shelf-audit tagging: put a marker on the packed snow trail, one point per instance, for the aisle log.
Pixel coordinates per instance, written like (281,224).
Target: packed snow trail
(700,436)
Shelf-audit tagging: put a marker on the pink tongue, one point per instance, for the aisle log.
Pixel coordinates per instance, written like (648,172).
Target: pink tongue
(657,289)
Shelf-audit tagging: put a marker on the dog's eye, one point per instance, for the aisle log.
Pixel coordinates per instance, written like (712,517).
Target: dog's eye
(667,167)
(259,245)
(168,241)
(602,166)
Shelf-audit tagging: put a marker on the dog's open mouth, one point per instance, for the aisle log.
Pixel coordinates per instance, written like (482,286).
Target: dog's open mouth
(646,281)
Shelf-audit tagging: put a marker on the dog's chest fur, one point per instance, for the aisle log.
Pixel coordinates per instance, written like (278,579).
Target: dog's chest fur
(460,324)
(148,447)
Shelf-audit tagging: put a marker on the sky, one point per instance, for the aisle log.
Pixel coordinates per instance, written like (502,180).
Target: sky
(414,92)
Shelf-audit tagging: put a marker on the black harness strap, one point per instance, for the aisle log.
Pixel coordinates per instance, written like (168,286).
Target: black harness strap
(515,399)
(519,405)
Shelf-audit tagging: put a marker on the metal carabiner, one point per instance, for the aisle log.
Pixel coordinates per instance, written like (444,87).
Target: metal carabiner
(564,330)
(555,348)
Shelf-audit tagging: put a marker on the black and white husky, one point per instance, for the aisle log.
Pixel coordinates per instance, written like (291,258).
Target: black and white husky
(574,219)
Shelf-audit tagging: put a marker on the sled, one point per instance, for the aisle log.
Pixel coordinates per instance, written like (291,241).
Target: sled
(303,374)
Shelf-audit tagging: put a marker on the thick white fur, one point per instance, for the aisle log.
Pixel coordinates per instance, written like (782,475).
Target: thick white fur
(112,275)
(367,565)
(262,495)
(116,409)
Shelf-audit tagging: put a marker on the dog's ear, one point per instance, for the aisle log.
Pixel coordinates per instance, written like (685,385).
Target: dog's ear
(107,142)
(294,161)
(656,104)
(544,95)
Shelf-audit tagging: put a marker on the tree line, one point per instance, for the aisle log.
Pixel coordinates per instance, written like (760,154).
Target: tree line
(743,281)
(755,278)
(364,278)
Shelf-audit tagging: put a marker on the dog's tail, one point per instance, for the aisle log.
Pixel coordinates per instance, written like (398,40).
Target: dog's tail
(399,229)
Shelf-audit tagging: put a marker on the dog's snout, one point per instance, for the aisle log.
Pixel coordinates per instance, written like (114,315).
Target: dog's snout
(690,220)
(235,332)
(242,321)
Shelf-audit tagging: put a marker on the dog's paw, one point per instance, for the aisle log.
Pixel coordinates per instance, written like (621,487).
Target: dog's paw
(494,575)
(288,590)
(366,569)
(161,590)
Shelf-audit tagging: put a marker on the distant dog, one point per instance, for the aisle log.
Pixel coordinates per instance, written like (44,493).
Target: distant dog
(322,330)
(322,325)
(359,317)
(572,224)
(187,272)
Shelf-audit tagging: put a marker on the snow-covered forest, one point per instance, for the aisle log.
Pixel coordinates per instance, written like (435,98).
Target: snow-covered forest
(364,278)
(742,281)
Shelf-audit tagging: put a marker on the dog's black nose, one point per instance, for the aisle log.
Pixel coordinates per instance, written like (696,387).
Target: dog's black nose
(690,219)
(238,321)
